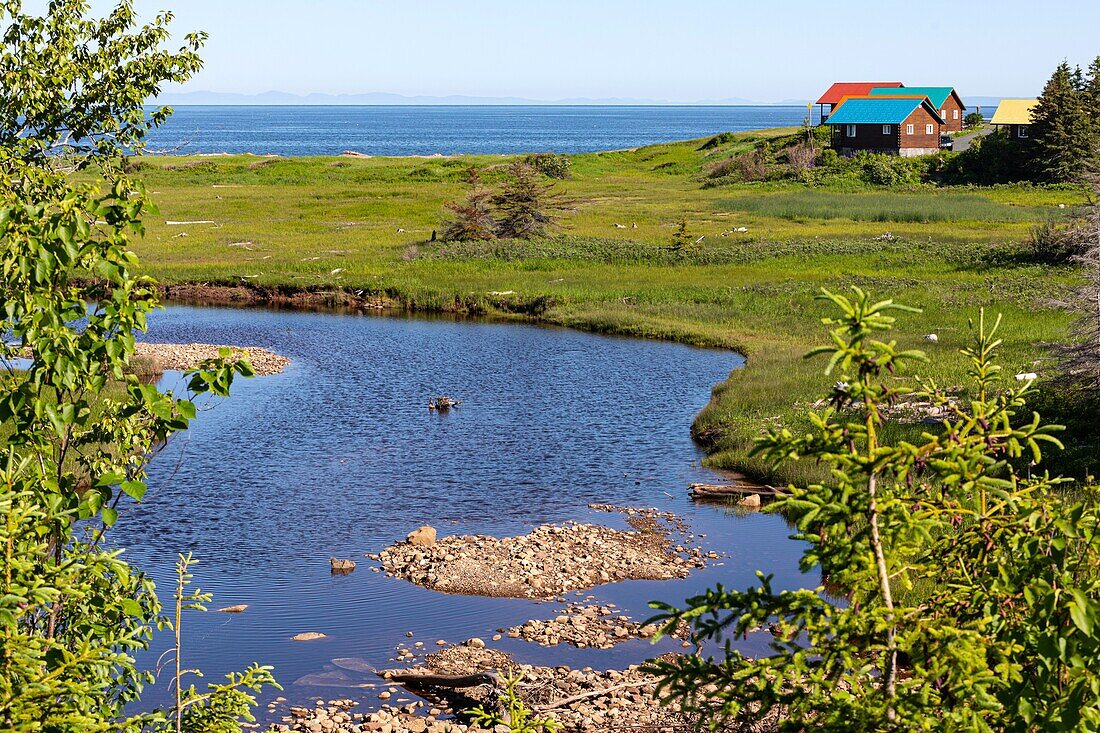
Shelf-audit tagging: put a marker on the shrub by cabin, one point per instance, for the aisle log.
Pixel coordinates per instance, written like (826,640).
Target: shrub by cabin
(905,126)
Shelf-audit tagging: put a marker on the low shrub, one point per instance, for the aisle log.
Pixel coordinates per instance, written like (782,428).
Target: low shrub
(750,166)
(829,158)
(800,157)
(722,138)
(550,165)
(1058,241)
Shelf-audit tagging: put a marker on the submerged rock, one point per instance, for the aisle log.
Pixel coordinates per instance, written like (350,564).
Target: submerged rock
(308,636)
(752,501)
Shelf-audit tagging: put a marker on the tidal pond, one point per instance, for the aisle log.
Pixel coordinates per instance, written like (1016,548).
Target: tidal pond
(338,456)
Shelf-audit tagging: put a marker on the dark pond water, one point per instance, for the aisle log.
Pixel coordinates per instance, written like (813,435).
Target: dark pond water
(338,456)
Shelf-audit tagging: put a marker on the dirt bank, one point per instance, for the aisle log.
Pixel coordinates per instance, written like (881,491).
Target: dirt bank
(302,298)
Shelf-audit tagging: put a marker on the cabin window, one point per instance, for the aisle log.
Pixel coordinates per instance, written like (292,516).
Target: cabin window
(887,129)
(928,130)
(1021,131)
(956,113)
(851,131)
(943,113)
(908,129)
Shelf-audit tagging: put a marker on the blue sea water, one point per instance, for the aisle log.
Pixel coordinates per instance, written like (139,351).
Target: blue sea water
(450,130)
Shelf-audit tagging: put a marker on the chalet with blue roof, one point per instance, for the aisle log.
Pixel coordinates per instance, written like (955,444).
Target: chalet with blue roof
(906,125)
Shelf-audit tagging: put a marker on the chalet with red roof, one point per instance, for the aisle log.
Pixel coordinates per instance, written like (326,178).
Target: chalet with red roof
(831,99)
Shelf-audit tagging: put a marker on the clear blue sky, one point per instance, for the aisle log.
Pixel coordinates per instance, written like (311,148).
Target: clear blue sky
(682,50)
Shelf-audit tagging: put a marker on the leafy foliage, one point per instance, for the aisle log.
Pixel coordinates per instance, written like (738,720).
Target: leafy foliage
(74,85)
(971,591)
(80,426)
(994,158)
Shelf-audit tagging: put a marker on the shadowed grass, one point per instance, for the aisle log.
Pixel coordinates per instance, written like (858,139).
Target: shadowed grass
(881,206)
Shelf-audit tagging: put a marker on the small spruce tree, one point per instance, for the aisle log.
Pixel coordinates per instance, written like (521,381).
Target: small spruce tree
(471,219)
(525,206)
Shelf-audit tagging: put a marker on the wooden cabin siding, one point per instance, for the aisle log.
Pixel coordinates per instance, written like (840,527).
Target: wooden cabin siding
(867,137)
(953,113)
(920,139)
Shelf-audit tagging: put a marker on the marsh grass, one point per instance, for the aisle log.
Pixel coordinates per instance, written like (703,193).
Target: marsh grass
(885,206)
(365,224)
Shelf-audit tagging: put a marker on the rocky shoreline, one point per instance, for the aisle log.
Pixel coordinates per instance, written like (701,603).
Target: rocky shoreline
(180,357)
(580,700)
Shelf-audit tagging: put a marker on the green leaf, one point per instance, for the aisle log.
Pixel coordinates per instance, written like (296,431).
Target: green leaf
(134,489)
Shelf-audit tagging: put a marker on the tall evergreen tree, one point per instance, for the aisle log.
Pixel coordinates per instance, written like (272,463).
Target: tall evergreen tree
(1061,129)
(1092,105)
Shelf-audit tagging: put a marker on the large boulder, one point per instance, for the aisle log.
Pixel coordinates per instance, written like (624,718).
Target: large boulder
(422,537)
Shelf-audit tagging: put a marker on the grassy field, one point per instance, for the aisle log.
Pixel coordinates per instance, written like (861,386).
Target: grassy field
(365,224)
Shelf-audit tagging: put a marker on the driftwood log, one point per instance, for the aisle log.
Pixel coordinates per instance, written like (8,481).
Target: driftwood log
(449,681)
(719,491)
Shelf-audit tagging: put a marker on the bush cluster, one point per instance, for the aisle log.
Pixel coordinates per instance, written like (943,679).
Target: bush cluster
(1057,242)
(877,169)
(550,165)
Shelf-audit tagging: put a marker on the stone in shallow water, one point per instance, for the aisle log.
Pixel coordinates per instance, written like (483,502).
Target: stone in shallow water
(239,608)
(354,664)
(308,636)
(334,678)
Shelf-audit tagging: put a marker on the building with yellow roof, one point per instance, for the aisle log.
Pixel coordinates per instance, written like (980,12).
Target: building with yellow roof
(1015,114)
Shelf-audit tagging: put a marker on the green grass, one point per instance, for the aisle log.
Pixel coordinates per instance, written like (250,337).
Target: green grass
(365,224)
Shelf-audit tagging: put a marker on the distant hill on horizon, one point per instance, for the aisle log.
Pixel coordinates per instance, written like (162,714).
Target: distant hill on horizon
(276,98)
(382,98)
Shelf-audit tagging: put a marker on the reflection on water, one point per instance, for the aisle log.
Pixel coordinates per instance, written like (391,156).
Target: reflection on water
(339,456)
